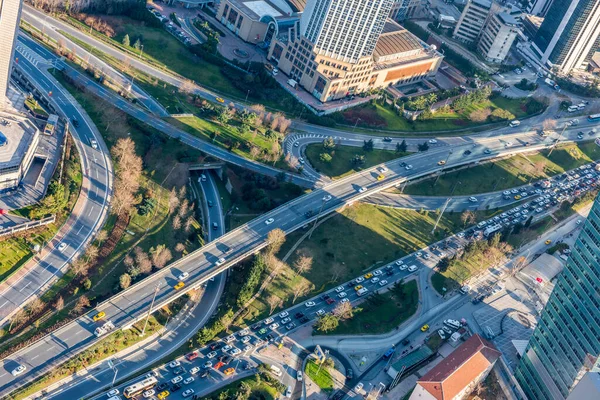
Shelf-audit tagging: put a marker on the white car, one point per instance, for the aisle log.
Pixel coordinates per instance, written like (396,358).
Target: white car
(149,393)
(288,392)
(94,144)
(342,295)
(382,169)
(226,348)
(362,189)
(301,160)
(285,321)
(403,267)
(247,347)
(189,380)
(426,256)
(152,374)
(220,262)
(432,141)
(230,338)
(212,354)
(321,312)
(374,280)
(299,375)
(113,392)
(274,326)
(283,314)
(339,289)
(188,393)
(408,167)
(383,282)
(174,364)
(245,339)
(399,262)
(194,370)
(377,273)
(184,276)
(62,246)
(579,222)
(177,379)
(460,234)
(208,364)
(344,300)
(269,321)
(473,199)
(508,144)
(419,254)
(327,197)
(412,268)
(235,352)
(296,144)
(309,304)
(359,279)
(270,221)
(358,387)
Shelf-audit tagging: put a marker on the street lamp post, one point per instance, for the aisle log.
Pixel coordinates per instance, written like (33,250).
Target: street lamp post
(356,123)
(558,140)
(141,50)
(115,370)
(150,309)
(316,219)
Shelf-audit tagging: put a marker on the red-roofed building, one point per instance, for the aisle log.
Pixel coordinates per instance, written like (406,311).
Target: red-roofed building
(457,375)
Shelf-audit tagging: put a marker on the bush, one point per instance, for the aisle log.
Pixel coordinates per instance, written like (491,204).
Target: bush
(416,30)
(526,85)
(462,64)
(249,288)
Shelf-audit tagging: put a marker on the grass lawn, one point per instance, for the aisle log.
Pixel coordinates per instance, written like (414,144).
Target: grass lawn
(381,313)
(341,164)
(16,251)
(514,171)
(260,391)
(35,107)
(320,376)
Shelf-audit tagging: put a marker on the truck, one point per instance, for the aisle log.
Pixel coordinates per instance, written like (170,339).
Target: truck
(572,109)
(105,328)
(292,83)
(491,229)
(551,83)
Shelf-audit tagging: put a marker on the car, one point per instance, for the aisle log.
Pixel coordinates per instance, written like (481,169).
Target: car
(113,392)
(179,285)
(374,280)
(408,167)
(412,268)
(230,338)
(579,222)
(290,326)
(188,393)
(269,321)
(380,177)
(212,354)
(399,262)
(327,197)
(224,360)
(189,380)
(358,287)
(368,276)
(425,328)
(296,144)
(387,139)
(339,289)
(162,386)
(220,262)
(262,331)
(359,279)
(235,352)
(192,356)
(330,301)
(383,282)
(432,141)
(304,320)
(362,189)
(220,100)
(466,152)
(247,347)
(177,379)
(246,339)
(517,197)
(94,144)
(301,160)
(460,234)
(548,241)
(194,370)
(274,326)
(342,295)
(184,276)
(426,256)
(229,371)
(207,364)
(152,374)
(149,393)
(269,221)
(358,387)
(506,192)
(508,144)
(227,348)
(299,375)
(442,334)
(288,392)
(309,304)
(205,373)
(62,246)
(298,315)
(403,267)
(382,169)
(487,151)
(320,312)
(344,300)
(99,316)
(377,272)
(442,162)
(473,199)
(163,395)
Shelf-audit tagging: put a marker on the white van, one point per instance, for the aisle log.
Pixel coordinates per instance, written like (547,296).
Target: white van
(275,370)
(514,123)
(292,83)
(362,291)
(452,323)
(572,109)
(412,268)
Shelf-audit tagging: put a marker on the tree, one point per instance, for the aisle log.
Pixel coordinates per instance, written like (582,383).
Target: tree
(187,86)
(224,115)
(274,301)
(368,145)
(401,147)
(303,264)
(129,172)
(480,115)
(443,264)
(59,304)
(467,217)
(160,256)
(301,289)
(142,260)
(358,159)
(502,114)
(325,157)
(125,281)
(35,307)
(343,311)
(82,302)
(275,239)
(398,289)
(126,41)
(327,323)
(137,44)
(337,270)
(423,147)
(87,284)
(329,143)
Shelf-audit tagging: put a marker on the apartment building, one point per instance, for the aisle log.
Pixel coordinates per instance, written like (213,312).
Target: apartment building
(10,15)
(472,20)
(538,7)
(569,35)
(497,37)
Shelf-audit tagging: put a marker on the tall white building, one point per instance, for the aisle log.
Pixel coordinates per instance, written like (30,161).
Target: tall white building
(497,37)
(538,7)
(472,20)
(346,30)
(10,15)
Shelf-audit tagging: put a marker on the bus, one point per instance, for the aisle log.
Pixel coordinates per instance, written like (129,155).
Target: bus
(594,117)
(139,387)
(389,353)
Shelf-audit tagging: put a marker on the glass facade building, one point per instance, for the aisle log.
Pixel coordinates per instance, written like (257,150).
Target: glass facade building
(567,336)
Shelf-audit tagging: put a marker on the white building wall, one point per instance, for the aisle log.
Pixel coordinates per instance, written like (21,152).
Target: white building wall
(10,15)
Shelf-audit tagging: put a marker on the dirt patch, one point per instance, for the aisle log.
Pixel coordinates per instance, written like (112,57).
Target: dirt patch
(368,116)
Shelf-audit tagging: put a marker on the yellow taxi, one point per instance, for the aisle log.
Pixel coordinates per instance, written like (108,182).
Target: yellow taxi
(179,285)
(163,395)
(368,276)
(220,100)
(358,287)
(99,316)
(425,328)
(548,241)
(442,162)
(518,197)
(380,177)
(229,371)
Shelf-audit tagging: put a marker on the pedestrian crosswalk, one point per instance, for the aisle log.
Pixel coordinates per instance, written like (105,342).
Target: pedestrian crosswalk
(30,55)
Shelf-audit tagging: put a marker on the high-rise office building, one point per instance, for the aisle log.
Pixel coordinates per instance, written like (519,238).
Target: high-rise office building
(472,20)
(538,7)
(10,15)
(568,37)
(566,341)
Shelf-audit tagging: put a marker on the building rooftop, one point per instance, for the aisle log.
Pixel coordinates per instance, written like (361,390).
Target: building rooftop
(394,40)
(483,3)
(258,9)
(460,368)
(541,270)
(412,358)
(18,135)
(507,19)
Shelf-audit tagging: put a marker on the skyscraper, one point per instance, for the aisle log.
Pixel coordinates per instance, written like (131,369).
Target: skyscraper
(10,15)
(568,37)
(566,341)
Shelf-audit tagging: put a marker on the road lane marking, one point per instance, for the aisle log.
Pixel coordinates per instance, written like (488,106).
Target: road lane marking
(24,287)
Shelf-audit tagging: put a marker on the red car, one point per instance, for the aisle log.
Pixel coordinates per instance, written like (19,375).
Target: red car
(3,211)
(192,355)
(330,301)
